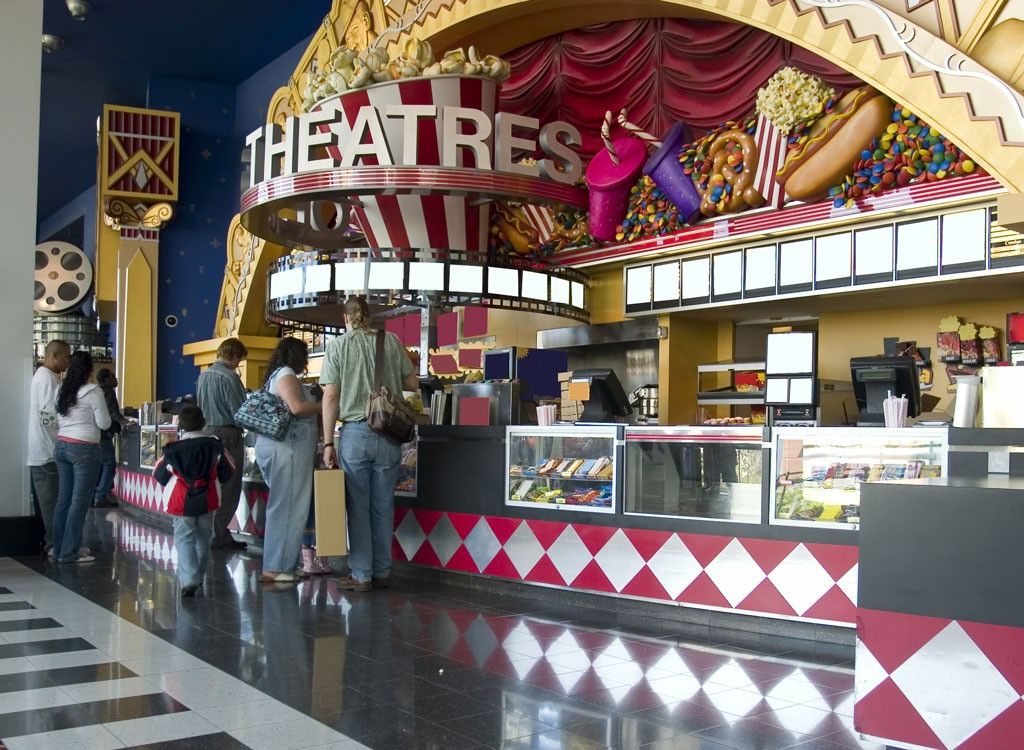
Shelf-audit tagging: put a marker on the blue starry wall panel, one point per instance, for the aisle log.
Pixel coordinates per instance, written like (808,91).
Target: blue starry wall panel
(192,246)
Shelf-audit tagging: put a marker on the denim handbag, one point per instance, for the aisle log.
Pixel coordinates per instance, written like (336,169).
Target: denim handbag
(264,413)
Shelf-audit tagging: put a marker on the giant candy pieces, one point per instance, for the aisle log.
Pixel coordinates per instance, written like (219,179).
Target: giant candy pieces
(908,150)
(610,183)
(668,174)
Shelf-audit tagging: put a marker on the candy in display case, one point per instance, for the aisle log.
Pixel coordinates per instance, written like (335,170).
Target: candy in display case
(565,468)
(818,472)
(152,441)
(406,486)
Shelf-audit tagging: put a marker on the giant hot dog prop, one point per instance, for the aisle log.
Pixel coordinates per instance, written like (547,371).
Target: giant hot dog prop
(833,143)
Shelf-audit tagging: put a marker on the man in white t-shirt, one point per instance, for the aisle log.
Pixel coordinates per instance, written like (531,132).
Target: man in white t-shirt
(42,431)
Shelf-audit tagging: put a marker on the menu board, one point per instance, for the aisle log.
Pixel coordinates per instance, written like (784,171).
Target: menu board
(697,278)
(638,285)
(759,274)
(666,282)
(833,255)
(727,275)
(796,264)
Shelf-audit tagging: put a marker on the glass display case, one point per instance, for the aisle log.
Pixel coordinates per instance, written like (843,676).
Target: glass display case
(406,486)
(818,471)
(562,468)
(715,473)
(152,440)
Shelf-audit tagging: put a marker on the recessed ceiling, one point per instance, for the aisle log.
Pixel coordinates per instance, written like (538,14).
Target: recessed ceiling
(109,57)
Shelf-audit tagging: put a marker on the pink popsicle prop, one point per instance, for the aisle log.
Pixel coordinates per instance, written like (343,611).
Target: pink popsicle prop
(610,184)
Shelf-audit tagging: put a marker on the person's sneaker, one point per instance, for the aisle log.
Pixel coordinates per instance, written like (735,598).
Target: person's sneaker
(381,583)
(84,551)
(49,551)
(272,577)
(80,559)
(348,583)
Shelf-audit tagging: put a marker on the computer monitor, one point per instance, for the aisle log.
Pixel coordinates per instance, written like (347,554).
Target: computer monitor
(875,377)
(607,399)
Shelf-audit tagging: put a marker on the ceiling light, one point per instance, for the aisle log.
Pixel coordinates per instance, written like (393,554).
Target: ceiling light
(78,9)
(52,43)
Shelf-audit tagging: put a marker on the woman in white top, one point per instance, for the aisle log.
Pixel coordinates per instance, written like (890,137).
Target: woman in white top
(287,464)
(81,414)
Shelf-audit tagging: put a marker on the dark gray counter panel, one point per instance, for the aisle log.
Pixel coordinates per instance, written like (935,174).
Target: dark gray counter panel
(950,548)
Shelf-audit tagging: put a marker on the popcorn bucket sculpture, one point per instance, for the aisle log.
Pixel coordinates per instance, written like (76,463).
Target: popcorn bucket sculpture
(667,172)
(434,220)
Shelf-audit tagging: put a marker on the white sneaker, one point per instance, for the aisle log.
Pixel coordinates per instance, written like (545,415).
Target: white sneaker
(84,558)
(84,551)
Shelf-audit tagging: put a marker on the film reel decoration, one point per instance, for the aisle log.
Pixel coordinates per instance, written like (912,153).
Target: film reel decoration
(63,277)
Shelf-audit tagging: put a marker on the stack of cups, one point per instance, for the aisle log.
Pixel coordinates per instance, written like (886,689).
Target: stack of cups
(895,409)
(546,414)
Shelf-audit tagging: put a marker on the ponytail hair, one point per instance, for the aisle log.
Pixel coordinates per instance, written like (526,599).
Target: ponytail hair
(77,375)
(358,313)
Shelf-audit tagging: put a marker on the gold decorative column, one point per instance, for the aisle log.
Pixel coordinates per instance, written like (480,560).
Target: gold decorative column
(137,187)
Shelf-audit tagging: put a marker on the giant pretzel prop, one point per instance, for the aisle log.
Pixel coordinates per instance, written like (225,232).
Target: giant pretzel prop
(743,193)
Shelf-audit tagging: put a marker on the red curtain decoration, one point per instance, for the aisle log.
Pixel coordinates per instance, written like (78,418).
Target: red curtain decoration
(663,70)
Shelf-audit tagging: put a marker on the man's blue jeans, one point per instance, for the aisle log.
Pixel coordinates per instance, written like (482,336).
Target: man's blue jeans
(371,464)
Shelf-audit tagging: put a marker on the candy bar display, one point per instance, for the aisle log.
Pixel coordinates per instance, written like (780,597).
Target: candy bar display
(818,474)
(562,468)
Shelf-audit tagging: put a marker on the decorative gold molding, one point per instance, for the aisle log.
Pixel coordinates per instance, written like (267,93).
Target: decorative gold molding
(982,20)
(158,215)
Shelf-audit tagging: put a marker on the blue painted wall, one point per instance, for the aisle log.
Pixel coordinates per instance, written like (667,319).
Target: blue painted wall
(215,119)
(192,246)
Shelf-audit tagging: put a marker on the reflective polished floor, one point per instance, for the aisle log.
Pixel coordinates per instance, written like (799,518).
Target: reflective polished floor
(107,655)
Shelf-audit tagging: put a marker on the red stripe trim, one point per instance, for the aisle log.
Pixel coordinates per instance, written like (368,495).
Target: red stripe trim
(435,219)
(428,152)
(391,215)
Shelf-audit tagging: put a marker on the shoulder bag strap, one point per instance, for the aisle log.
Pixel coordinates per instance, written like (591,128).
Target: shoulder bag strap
(378,363)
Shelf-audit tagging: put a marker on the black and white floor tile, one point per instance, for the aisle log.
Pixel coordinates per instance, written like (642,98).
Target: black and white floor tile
(108,655)
(74,675)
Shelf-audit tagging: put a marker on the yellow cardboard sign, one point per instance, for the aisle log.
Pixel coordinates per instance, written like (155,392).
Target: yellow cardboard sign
(579,390)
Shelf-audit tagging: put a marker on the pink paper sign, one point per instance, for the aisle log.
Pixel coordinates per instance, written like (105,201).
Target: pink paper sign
(448,329)
(474,322)
(475,410)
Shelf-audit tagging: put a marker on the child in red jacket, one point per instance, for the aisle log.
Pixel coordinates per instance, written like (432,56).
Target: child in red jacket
(191,471)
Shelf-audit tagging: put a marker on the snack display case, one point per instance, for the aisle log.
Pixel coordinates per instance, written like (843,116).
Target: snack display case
(406,486)
(818,472)
(714,473)
(563,468)
(152,440)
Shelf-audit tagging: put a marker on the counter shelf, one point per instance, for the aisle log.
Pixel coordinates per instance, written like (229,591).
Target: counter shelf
(729,395)
(818,472)
(529,449)
(712,473)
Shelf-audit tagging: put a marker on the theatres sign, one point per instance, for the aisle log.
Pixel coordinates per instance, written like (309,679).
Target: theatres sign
(428,153)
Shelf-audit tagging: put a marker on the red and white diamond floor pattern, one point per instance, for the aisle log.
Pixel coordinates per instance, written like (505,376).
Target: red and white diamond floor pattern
(794,579)
(929,682)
